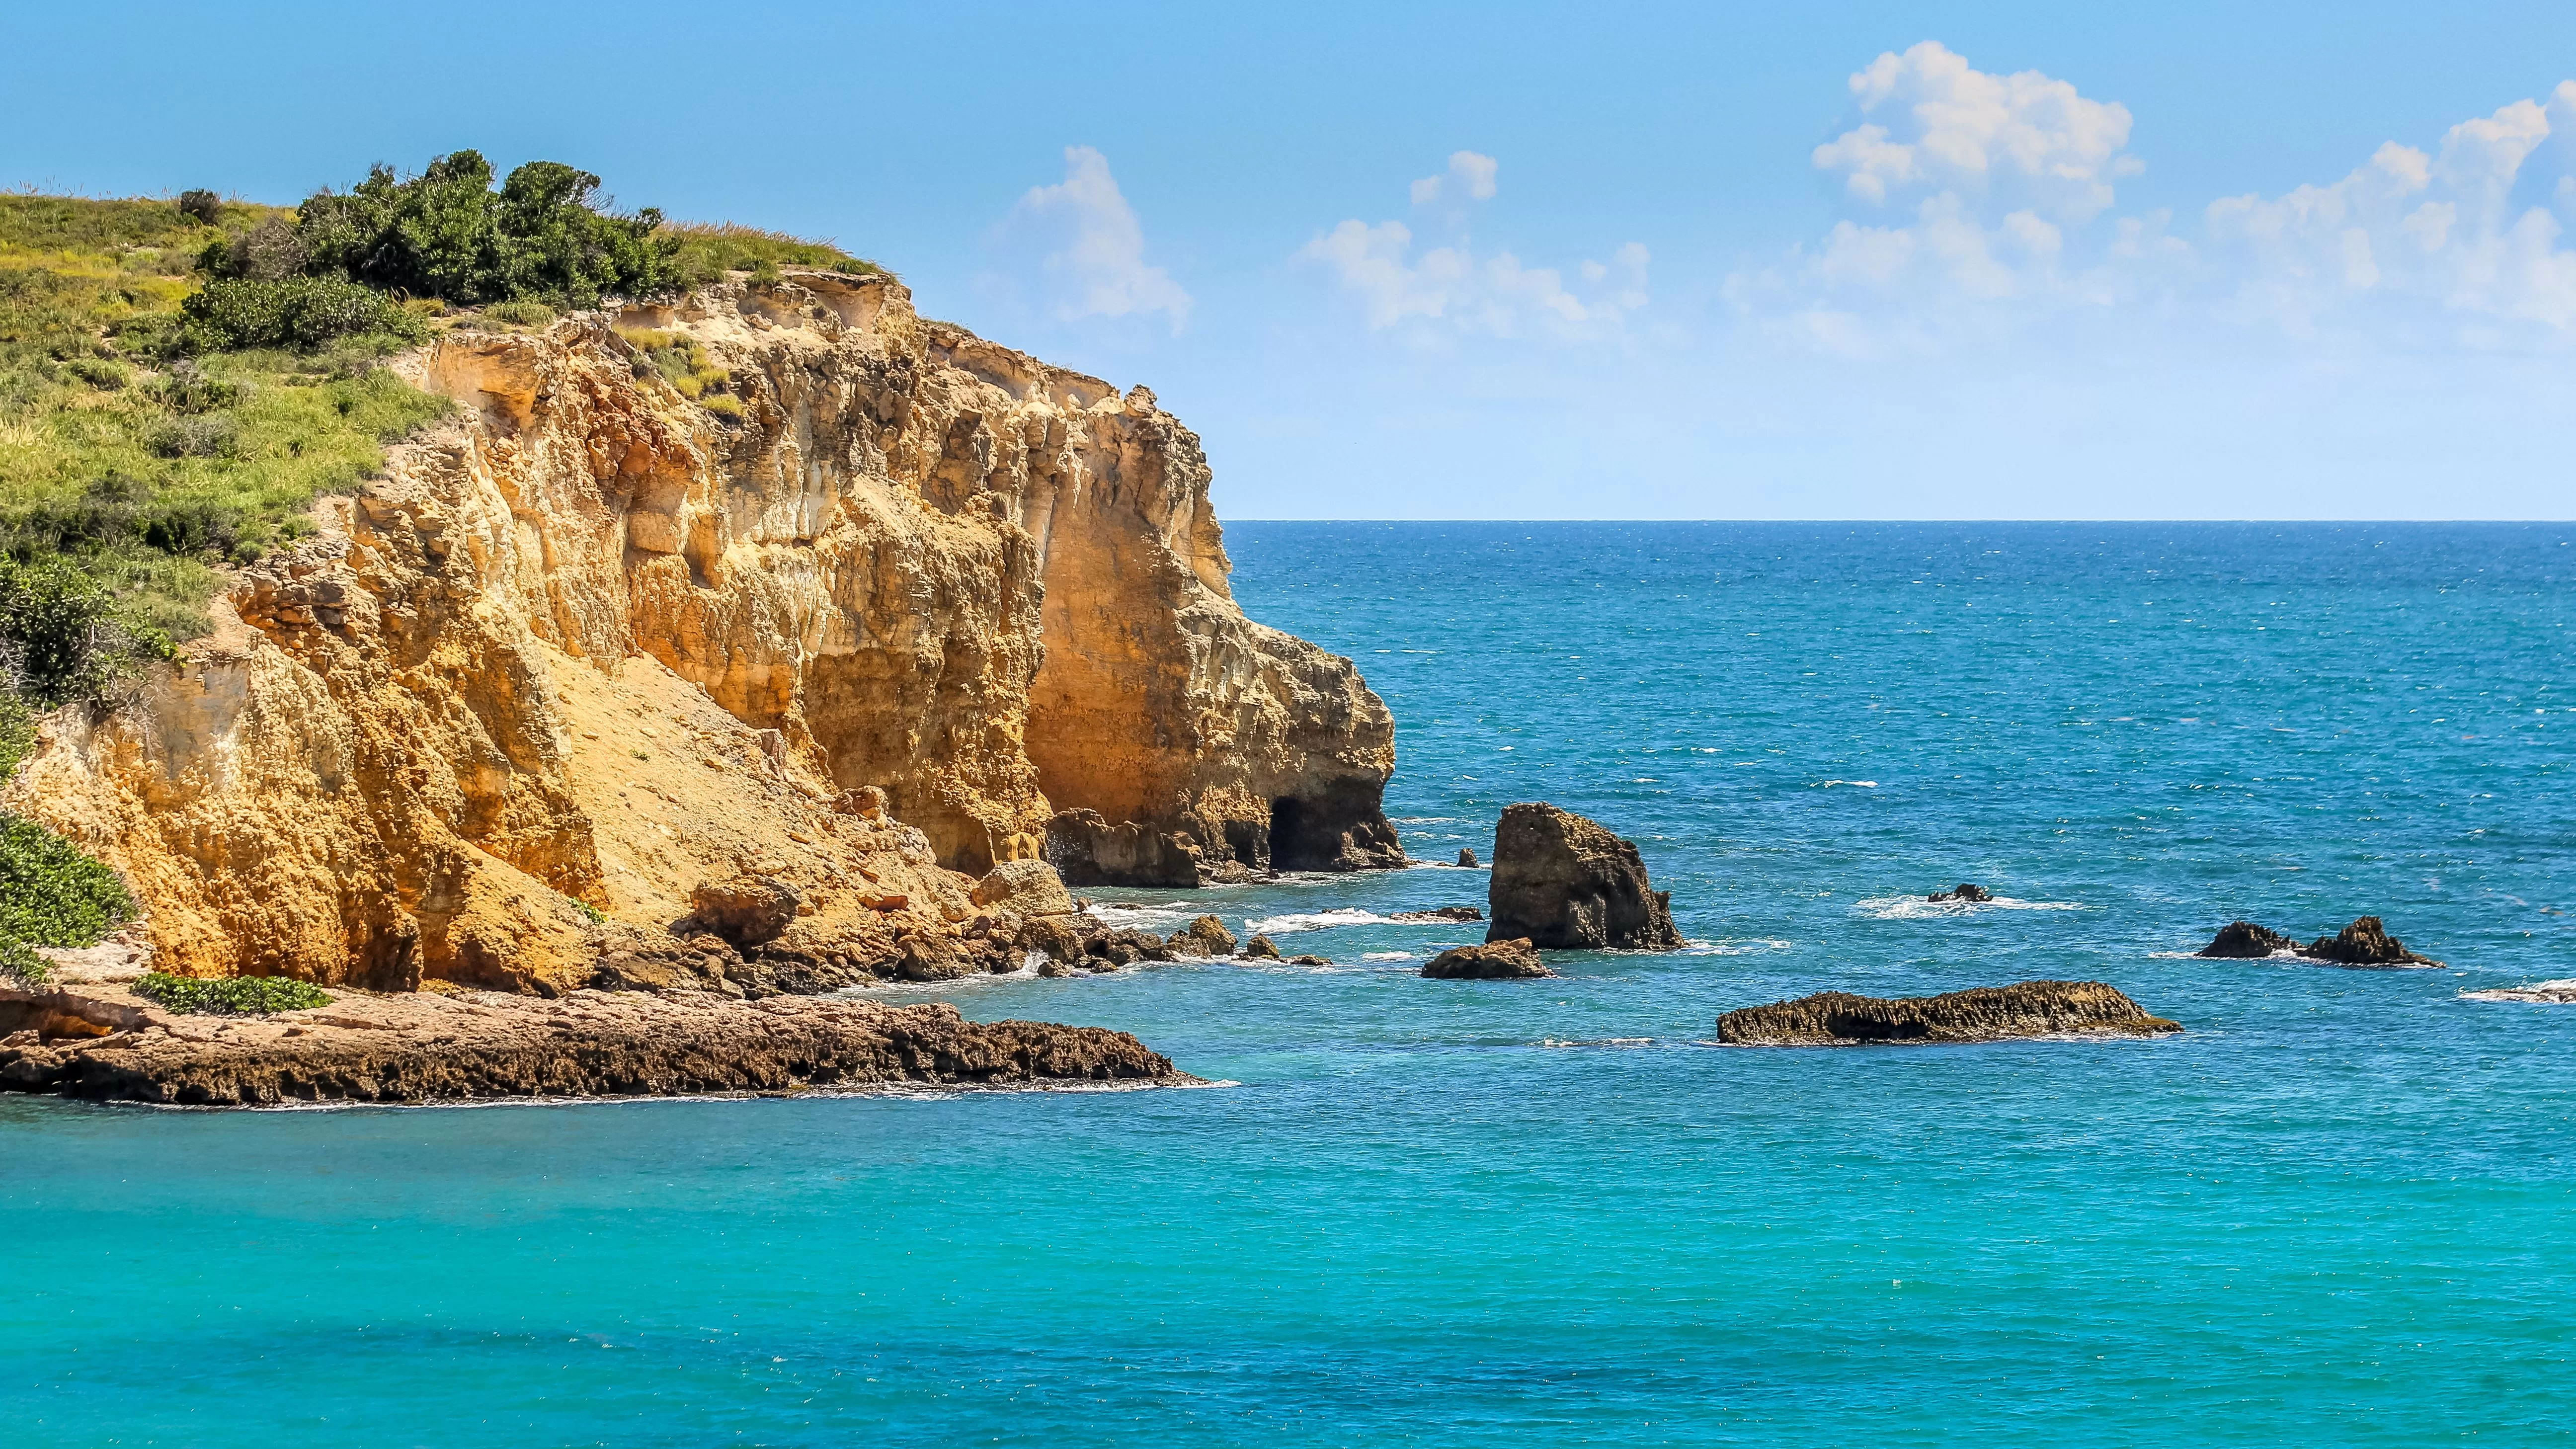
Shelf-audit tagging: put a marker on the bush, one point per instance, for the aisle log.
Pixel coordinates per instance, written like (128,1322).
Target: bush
(230,995)
(202,206)
(64,636)
(50,893)
(98,372)
(301,313)
(201,437)
(20,963)
(189,388)
(524,314)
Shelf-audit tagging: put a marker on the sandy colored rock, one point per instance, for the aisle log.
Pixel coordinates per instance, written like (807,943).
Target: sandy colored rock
(1260,948)
(589,644)
(1025,888)
(747,910)
(428,1047)
(1493,961)
(1564,883)
(1206,936)
(1984,1013)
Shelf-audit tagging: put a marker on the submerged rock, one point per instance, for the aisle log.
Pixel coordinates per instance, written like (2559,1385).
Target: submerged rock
(2364,943)
(1562,881)
(1494,961)
(1206,936)
(2245,941)
(1968,891)
(2542,993)
(1466,858)
(1310,960)
(1441,913)
(1984,1013)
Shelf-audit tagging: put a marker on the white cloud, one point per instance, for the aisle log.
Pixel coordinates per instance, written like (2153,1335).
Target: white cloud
(1470,177)
(1454,286)
(1096,258)
(1938,125)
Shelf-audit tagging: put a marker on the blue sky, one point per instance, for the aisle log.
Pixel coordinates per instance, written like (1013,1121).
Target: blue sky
(1895,261)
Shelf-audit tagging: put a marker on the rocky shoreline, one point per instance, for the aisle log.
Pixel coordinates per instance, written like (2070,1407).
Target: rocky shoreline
(104,1043)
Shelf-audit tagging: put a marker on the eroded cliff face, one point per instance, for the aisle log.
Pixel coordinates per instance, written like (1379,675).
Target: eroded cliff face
(590,646)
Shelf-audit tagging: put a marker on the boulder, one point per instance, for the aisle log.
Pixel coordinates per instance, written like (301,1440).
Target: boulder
(1053,935)
(1053,967)
(927,958)
(1983,1013)
(1206,936)
(866,802)
(1442,913)
(2246,941)
(1563,882)
(747,910)
(1025,888)
(1259,948)
(2364,943)
(1310,960)
(1967,891)
(1494,961)
(1466,858)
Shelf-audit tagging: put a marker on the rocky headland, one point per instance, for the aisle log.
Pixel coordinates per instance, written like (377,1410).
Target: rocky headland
(1565,883)
(600,686)
(1980,1014)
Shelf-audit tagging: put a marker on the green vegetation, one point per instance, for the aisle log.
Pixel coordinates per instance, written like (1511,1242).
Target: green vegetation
(51,894)
(708,250)
(230,995)
(683,362)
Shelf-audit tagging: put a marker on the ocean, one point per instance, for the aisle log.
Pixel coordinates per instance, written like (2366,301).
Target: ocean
(2340,1208)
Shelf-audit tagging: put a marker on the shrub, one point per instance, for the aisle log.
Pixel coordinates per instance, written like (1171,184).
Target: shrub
(300,312)
(682,361)
(202,206)
(50,893)
(230,995)
(98,372)
(213,436)
(20,963)
(524,314)
(189,388)
(65,636)
(17,723)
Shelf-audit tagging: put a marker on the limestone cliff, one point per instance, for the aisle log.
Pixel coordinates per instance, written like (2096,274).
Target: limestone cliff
(592,645)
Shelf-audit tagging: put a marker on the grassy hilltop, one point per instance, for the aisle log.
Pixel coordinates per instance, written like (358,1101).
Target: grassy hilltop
(179,380)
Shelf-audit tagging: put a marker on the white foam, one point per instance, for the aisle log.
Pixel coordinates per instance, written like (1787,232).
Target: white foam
(1390,956)
(1125,916)
(1855,784)
(1916,908)
(1320,921)
(2545,993)
(1731,948)
(1612,1041)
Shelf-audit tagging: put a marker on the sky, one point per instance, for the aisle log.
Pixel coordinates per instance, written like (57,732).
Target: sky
(1878,261)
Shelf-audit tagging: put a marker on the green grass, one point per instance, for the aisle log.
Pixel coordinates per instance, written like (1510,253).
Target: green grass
(230,995)
(710,249)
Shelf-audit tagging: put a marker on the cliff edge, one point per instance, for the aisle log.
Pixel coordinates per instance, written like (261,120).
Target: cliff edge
(594,644)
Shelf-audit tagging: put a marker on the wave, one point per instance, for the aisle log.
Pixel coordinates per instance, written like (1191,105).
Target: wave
(1129,916)
(1606,1041)
(1916,908)
(1855,784)
(1390,956)
(1732,947)
(2546,993)
(1317,921)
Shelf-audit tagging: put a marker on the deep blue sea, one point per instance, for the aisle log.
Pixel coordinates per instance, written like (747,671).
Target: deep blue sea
(2339,1209)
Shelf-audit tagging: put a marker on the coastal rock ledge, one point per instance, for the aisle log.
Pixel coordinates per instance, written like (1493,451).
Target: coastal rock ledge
(435,1047)
(1983,1013)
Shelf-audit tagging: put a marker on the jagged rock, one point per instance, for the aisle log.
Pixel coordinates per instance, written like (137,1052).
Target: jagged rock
(426,1047)
(1984,1013)
(1053,967)
(2245,941)
(929,958)
(1086,849)
(1053,935)
(2363,943)
(1563,882)
(1967,892)
(1493,961)
(866,802)
(1026,888)
(1259,948)
(747,910)
(1466,857)
(1126,947)
(1206,936)
(1441,913)
(1310,960)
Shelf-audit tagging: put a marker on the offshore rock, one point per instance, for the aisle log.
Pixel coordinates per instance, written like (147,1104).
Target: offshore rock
(1440,913)
(1984,1013)
(590,644)
(428,1047)
(1494,961)
(1206,936)
(1967,892)
(2245,941)
(2364,943)
(1260,948)
(1565,883)
(1466,858)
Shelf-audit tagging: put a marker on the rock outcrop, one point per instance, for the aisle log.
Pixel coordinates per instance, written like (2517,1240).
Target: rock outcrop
(1494,961)
(1984,1013)
(1565,883)
(1439,913)
(1260,948)
(107,1045)
(2245,941)
(1206,936)
(1466,858)
(2364,943)
(1965,893)
(590,645)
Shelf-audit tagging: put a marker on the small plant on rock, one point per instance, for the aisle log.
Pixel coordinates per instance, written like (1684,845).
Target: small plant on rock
(230,995)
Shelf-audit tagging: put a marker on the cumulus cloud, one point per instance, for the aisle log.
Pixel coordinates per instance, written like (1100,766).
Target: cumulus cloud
(1450,284)
(1938,126)
(1095,258)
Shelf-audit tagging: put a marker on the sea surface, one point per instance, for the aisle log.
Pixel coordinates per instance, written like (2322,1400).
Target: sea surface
(2339,1209)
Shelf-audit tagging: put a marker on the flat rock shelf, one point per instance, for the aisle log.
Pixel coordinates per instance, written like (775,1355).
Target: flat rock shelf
(1979,1014)
(108,1045)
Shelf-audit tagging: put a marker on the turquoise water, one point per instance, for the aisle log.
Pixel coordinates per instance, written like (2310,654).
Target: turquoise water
(2341,1209)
